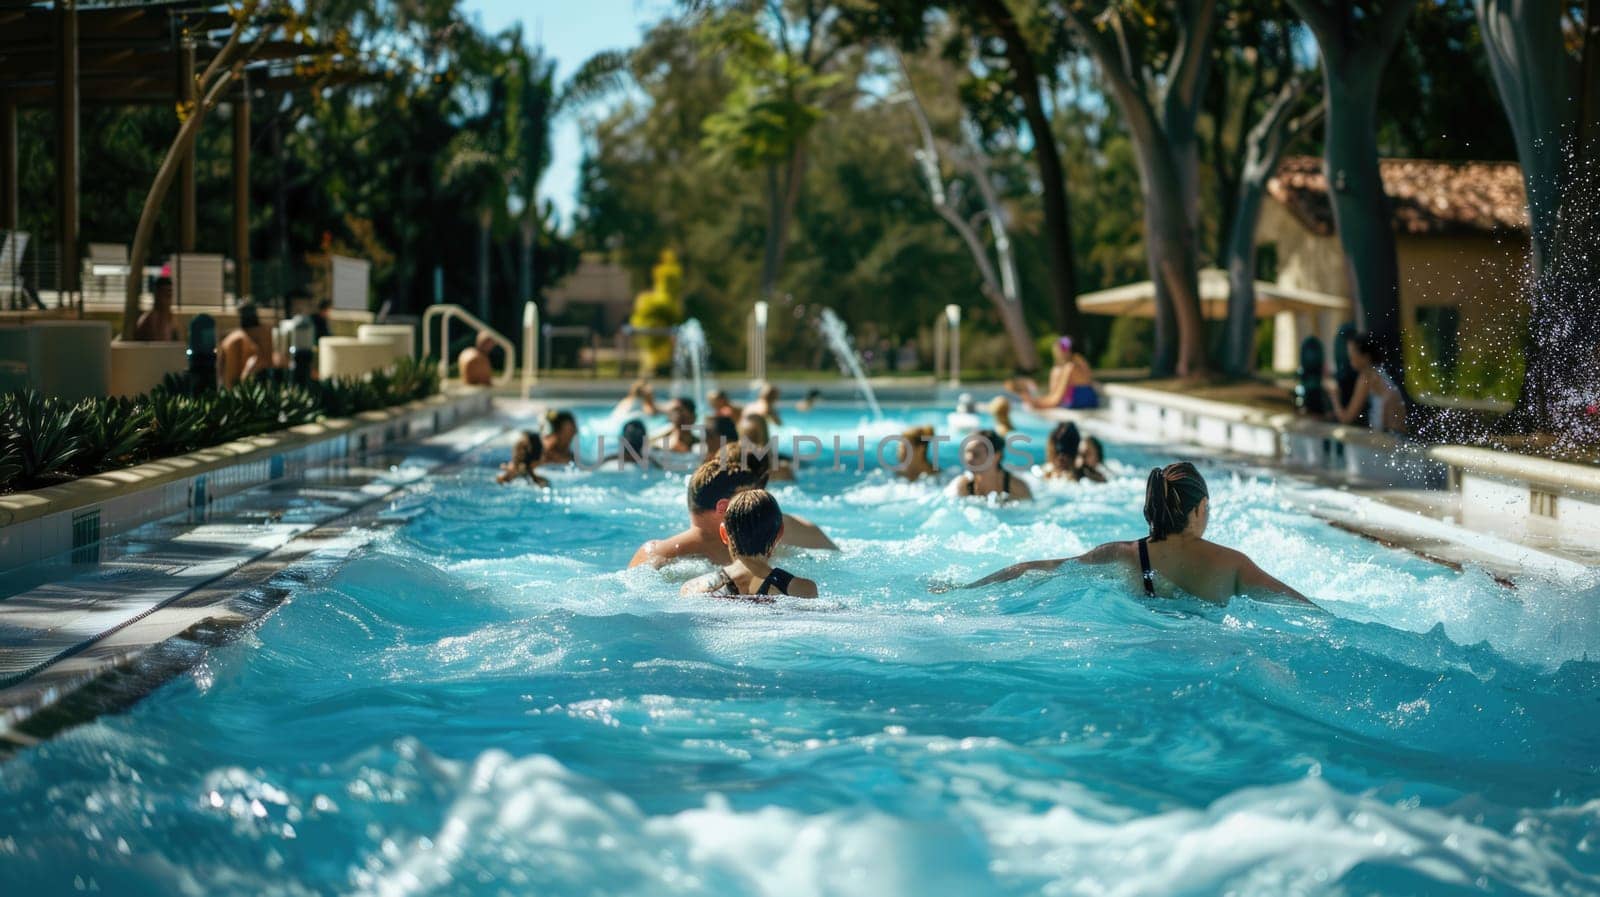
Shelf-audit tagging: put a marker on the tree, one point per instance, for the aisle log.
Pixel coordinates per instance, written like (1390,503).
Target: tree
(1356,40)
(1161,114)
(1024,80)
(999,275)
(1552,97)
(1264,119)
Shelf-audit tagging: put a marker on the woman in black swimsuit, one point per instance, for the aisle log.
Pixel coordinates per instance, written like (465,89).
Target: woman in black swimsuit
(751,528)
(983,454)
(1175,558)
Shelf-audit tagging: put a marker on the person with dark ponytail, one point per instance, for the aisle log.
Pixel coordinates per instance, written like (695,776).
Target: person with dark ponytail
(1175,557)
(525,456)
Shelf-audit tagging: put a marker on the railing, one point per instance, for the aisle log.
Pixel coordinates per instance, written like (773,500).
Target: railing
(447,313)
(530,348)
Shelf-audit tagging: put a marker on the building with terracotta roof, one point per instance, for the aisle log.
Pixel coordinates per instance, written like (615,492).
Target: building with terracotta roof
(1461,232)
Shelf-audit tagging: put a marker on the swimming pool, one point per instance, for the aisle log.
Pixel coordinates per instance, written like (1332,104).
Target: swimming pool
(483,701)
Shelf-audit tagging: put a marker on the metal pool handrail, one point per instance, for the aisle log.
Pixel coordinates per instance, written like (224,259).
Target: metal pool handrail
(450,312)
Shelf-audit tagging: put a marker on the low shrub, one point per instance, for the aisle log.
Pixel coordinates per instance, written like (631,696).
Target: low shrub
(45,440)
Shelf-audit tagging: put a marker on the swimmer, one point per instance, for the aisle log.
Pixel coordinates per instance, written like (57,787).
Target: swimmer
(917,462)
(1000,410)
(983,456)
(560,430)
(1174,557)
(640,397)
(1091,461)
(766,404)
(755,436)
(720,404)
(631,449)
(751,528)
(813,397)
(1071,383)
(720,431)
(711,487)
(678,435)
(525,455)
(1061,453)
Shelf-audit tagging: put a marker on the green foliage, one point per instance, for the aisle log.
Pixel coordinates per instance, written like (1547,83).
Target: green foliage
(112,433)
(177,422)
(43,434)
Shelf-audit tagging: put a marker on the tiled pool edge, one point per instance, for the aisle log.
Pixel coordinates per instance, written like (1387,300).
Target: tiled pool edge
(76,516)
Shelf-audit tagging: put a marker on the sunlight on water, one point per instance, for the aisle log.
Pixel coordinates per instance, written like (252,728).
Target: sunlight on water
(486,702)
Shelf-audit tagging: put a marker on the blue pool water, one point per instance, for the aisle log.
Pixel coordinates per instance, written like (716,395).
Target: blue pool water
(482,701)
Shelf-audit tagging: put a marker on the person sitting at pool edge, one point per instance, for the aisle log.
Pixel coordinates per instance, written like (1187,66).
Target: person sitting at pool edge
(1061,453)
(1071,383)
(983,454)
(525,457)
(766,404)
(560,430)
(474,361)
(1174,557)
(1091,461)
(750,529)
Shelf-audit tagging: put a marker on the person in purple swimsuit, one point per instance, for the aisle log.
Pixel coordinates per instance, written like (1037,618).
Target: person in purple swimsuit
(1071,383)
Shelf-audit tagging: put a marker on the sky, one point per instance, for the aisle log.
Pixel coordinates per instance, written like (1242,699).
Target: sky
(571,31)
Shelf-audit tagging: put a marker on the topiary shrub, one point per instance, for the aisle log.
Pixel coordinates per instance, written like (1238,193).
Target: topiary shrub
(660,306)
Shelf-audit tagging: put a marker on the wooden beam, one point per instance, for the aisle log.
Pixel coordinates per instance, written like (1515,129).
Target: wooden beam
(66,13)
(241,194)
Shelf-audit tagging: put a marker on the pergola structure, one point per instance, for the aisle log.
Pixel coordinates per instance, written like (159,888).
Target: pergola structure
(64,53)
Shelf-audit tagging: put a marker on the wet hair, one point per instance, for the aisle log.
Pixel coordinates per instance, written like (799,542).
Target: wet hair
(248,316)
(527,452)
(723,427)
(1064,441)
(1098,448)
(754,521)
(555,419)
(1170,495)
(633,436)
(688,405)
(918,441)
(720,479)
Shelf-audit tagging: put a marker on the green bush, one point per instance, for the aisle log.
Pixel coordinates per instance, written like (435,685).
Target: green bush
(44,439)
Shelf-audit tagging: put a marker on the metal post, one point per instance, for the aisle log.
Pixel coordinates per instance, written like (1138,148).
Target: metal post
(67,148)
(186,97)
(952,315)
(758,343)
(530,348)
(242,288)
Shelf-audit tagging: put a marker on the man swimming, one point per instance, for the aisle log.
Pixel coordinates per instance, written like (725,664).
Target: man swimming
(711,487)
(561,430)
(751,528)
(1174,558)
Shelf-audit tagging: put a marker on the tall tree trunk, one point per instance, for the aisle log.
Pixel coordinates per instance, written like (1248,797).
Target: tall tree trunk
(485,220)
(1052,177)
(1361,210)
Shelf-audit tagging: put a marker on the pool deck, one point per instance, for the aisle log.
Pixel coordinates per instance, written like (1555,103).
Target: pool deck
(65,624)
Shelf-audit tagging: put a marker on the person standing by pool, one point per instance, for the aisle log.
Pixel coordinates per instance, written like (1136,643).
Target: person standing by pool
(560,431)
(1061,453)
(240,353)
(750,529)
(1071,383)
(711,487)
(1375,392)
(525,457)
(983,454)
(766,404)
(159,324)
(1175,557)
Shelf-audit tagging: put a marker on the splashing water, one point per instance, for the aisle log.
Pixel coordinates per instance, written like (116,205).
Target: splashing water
(838,337)
(691,360)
